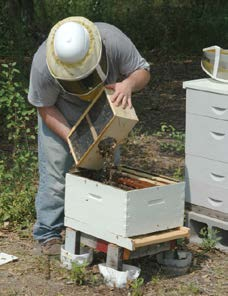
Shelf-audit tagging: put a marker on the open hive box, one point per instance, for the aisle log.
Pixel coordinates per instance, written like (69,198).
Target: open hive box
(132,203)
(101,120)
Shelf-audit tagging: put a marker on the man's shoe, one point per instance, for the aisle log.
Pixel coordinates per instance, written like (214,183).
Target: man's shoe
(51,247)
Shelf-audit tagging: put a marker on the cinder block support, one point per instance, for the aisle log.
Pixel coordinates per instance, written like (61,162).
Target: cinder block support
(72,241)
(196,222)
(114,257)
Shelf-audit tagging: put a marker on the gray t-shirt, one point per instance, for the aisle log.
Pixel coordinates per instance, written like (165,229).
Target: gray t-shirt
(123,59)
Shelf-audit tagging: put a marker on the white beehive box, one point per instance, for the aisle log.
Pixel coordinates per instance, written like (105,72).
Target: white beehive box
(101,120)
(112,214)
(206,169)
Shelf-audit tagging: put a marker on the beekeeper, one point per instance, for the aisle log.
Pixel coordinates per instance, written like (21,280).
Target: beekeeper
(68,70)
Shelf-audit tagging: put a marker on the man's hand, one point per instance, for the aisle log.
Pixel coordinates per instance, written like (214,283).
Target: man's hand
(123,90)
(122,93)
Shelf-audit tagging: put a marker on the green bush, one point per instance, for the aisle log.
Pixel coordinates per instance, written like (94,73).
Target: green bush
(18,170)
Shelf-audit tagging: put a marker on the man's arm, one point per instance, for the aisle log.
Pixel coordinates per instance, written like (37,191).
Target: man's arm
(55,121)
(124,89)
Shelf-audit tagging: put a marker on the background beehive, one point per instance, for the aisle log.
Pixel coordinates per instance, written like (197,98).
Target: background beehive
(101,120)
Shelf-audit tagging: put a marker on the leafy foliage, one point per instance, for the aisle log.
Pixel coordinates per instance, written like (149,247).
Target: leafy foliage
(18,169)
(171,27)
(78,273)
(174,140)
(137,287)
(209,238)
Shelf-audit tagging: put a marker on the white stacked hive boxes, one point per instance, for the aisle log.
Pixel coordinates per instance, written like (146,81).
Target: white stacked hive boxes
(207,149)
(101,120)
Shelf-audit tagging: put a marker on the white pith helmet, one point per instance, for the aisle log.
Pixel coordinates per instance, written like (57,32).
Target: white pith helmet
(74,48)
(71,42)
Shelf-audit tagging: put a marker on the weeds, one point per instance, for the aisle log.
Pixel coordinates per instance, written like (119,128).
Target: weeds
(173,140)
(155,280)
(178,174)
(190,289)
(181,243)
(137,287)
(209,238)
(78,273)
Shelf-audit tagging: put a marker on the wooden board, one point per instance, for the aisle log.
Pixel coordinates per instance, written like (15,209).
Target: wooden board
(151,181)
(87,130)
(154,177)
(101,120)
(81,139)
(161,237)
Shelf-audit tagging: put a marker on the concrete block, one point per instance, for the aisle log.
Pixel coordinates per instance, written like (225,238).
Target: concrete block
(175,262)
(196,222)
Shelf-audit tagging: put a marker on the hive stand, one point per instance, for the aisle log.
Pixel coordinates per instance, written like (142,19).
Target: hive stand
(150,244)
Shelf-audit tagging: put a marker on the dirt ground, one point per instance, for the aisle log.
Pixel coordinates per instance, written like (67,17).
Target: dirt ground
(37,275)
(162,101)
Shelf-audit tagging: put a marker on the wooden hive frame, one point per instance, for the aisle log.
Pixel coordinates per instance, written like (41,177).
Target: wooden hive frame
(92,127)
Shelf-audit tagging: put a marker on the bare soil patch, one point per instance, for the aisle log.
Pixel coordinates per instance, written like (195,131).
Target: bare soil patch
(39,275)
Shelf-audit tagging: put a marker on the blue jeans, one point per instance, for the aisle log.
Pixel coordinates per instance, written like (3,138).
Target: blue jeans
(55,161)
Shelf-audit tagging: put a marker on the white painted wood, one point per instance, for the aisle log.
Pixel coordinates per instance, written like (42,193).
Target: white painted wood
(70,240)
(207,137)
(104,211)
(154,209)
(207,195)
(206,170)
(94,230)
(95,203)
(207,104)
(207,84)
(114,258)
